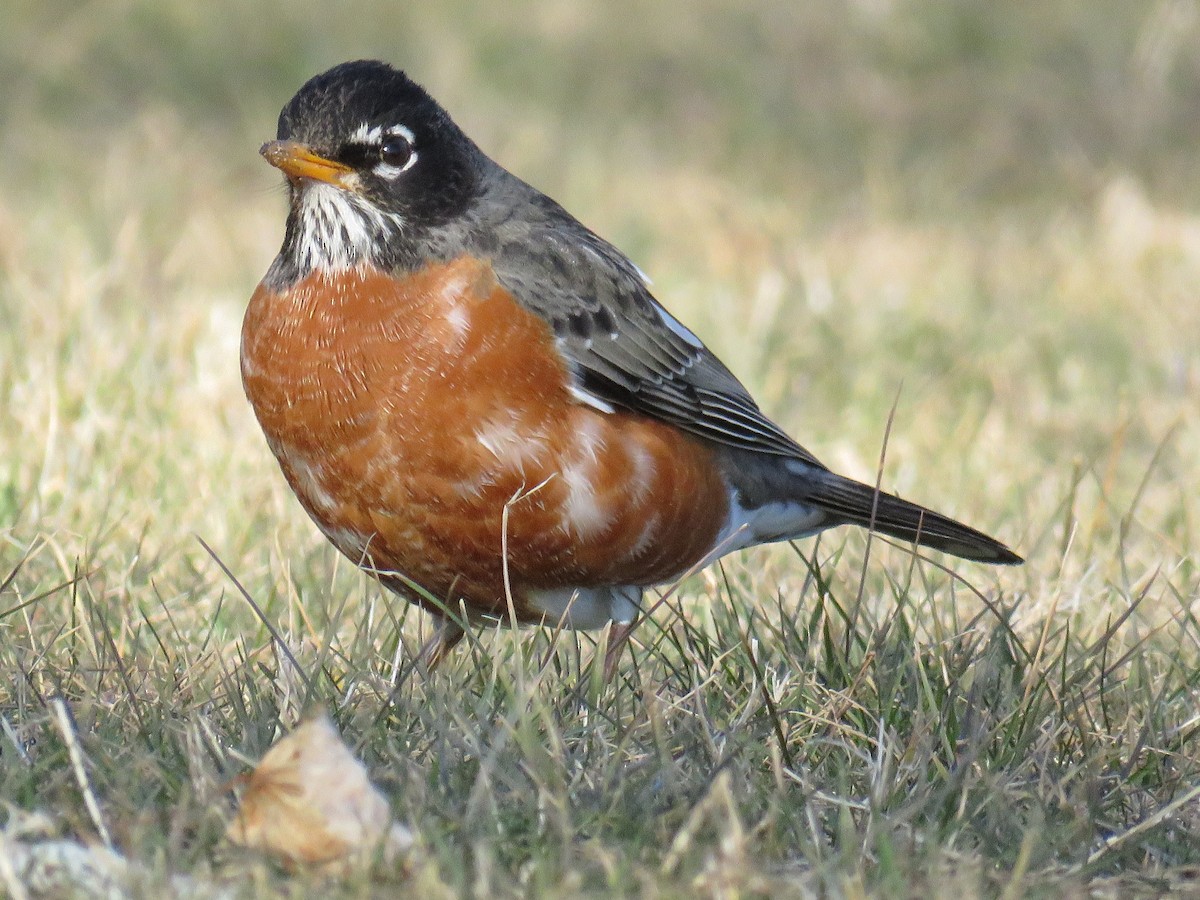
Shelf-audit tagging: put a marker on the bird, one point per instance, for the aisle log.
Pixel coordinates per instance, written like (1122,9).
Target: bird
(479,401)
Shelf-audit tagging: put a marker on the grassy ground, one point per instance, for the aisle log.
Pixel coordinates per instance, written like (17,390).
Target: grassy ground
(981,215)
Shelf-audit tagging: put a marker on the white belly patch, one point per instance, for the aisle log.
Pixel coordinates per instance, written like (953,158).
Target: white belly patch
(588,608)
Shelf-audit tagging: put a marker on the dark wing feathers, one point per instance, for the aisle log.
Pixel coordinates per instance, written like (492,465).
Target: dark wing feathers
(626,351)
(618,340)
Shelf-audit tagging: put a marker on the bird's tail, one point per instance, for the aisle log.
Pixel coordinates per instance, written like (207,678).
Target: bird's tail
(855,503)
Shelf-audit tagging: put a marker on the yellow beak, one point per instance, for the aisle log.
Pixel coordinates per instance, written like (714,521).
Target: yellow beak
(296,161)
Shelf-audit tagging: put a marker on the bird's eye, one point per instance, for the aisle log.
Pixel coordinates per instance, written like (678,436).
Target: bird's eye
(397,151)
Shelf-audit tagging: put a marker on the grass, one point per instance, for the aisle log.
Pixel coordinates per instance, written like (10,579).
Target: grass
(980,218)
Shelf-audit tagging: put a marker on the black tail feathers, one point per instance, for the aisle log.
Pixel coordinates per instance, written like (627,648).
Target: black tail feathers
(860,504)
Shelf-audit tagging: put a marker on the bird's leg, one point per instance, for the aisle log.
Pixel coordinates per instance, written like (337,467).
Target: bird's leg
(446,634)
(618,637)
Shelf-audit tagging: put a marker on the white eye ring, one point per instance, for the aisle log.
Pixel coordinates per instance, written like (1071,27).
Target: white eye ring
(396,152)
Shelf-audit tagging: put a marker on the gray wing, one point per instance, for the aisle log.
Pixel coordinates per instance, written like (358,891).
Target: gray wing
(624,348)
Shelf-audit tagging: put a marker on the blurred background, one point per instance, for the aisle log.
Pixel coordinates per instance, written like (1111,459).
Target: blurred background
(963,198)
(983,213)
(957,102)
(984,210)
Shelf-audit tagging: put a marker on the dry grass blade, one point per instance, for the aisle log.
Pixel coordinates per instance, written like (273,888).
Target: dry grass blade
(280,643)
(70,736)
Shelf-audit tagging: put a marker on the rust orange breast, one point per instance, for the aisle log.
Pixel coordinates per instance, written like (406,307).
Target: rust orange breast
(427,426)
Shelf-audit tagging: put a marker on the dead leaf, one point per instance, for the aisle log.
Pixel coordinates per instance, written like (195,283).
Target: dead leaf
(310,801)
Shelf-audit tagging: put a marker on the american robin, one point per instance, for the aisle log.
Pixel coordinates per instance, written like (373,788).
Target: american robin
(478,400)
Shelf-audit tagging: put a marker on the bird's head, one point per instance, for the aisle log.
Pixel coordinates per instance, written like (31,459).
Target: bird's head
(373,164)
